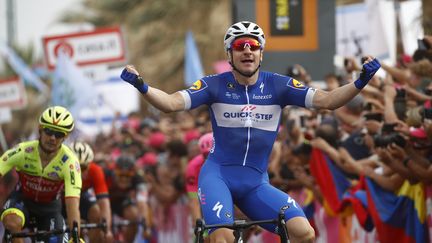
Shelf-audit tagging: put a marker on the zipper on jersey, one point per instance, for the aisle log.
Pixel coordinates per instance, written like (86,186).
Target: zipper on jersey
(39,185)
(248,130)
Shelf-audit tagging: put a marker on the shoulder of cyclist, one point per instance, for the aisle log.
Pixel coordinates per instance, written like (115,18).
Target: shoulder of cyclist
(97,176)
(14,157)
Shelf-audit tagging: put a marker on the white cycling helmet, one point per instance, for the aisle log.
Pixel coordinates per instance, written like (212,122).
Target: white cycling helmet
(83,151)
(243,28)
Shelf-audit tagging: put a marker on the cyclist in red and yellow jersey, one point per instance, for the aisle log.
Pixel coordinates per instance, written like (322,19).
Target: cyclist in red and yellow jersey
(45,167)
(94,202)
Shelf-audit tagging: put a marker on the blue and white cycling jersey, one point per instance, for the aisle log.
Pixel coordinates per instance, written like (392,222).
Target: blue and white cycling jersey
(245,119)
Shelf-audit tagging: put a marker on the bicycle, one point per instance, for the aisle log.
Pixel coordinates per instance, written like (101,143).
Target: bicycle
(239,226)
(36,235)
(117,224)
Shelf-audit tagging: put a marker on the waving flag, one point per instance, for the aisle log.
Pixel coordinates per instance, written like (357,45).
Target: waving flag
(330,179)
(356,197)
(340,197)
(400,215)
(70,88)
(21,68)
(193,67)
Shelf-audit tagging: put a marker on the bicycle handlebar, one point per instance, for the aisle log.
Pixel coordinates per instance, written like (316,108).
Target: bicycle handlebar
(129,222)
(239,225)
(73,231)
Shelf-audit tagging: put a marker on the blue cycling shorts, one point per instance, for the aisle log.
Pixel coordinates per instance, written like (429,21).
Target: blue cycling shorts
(222,186)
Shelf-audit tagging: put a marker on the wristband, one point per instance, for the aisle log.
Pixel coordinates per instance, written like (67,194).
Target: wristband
(141,86)
(360,83)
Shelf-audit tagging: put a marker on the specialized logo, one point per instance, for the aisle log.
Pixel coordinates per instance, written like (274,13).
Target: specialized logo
(262,87)
(292,201)
(294,83)
(217,208)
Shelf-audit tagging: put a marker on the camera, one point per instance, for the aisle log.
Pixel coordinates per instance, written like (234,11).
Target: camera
(368,106)
(428,92)
(427,113)
(388,136)
(382,141)
(303,149)
(423,44)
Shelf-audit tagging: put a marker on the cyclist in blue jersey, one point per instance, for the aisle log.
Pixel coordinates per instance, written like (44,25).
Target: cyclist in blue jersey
(245,105)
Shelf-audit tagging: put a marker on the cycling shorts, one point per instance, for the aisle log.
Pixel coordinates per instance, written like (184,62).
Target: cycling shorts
(44,216)
(249,189)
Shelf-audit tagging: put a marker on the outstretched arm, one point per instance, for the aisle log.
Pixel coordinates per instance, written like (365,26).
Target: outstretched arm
(158,98)
(340,96)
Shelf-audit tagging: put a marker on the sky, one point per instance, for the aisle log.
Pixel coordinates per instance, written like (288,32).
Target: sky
(35,19)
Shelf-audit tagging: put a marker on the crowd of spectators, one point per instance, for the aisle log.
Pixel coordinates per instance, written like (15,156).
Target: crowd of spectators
(384,134)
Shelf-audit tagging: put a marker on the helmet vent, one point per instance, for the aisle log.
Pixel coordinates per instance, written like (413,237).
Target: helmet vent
(246,24)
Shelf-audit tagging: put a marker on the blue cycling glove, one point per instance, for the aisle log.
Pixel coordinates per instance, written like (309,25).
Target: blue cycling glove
(135,80)
(368,71)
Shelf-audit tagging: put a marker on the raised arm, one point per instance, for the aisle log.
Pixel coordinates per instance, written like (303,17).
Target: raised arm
(158,98)
(340,96)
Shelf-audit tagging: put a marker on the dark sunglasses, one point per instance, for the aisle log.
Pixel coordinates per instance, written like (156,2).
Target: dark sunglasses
(51,132)
(241,44)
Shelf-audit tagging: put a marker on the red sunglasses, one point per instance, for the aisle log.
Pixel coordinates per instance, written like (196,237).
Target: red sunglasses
(241,44)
